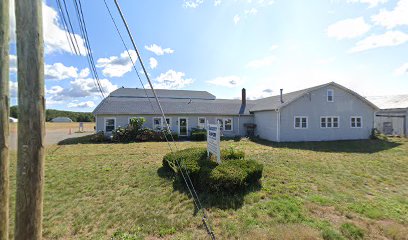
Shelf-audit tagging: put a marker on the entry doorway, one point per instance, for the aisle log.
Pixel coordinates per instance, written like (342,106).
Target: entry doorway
(183,126)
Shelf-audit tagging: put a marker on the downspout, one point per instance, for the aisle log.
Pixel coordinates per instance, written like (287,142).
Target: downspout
(239,126)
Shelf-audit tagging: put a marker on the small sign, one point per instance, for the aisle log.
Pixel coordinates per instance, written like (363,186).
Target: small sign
(213,141)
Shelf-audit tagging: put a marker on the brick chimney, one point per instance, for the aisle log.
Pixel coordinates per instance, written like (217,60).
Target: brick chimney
(281,95)
(243,96)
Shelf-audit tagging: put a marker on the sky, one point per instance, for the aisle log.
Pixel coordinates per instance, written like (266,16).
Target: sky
(222,46)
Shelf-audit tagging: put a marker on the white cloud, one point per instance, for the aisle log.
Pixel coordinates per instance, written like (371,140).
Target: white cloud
(371,3)
(192,3)
(260,92)
(117,66)
(78,88)
(55,39)
(13,63)
(153,63)
(227,81)
(252,11)
(403,69)
(273,47)
(262,62)
(13,87)
(172,80)
(158,50)
(84,73)
(87,104)
(59,71)
(348,28)
(390,19)
(217,2)
(236,19)
(387,39)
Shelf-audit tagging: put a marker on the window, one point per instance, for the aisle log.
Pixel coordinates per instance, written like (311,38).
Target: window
(167,123)
(300,122)
(228,124)
(225,124)
(330,95)
(109,124)
(329,122)
(157,123)
(356,122)
(201,122)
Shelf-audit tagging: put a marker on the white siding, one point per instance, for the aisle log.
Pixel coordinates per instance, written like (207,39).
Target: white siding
(266,125)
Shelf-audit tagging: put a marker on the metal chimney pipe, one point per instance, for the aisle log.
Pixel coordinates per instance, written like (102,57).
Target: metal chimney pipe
(281,95)
(243,96)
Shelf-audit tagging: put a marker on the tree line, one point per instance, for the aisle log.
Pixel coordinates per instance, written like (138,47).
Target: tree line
(53,113)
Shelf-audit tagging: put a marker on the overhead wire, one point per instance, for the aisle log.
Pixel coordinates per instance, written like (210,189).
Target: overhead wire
(185,176)
(88,49)
(66,28)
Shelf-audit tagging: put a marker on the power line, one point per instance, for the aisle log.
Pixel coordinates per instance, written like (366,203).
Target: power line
(84,33)
(66,28)
(186,179)
(72,29)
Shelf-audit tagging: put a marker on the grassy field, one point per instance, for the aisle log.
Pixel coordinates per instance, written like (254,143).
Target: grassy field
(336,190)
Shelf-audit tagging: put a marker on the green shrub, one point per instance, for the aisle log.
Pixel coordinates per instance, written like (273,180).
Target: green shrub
(230,176)
(231,153)
(198,134)
(351,231)
(98,137)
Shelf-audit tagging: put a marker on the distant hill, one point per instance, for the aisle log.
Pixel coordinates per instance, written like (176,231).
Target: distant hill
(52,113)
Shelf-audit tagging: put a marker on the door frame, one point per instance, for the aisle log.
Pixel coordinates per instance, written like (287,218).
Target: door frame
(180,126)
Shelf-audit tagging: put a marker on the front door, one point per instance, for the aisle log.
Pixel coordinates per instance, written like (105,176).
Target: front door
(183,127)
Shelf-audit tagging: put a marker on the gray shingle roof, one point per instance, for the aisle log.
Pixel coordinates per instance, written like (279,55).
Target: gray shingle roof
(388,102)
(162,93)
(128,105)
(273,103)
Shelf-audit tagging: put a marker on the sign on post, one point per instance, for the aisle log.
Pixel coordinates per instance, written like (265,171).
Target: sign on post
(213,141)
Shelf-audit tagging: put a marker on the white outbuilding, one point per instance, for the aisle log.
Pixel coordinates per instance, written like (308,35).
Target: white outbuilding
(13,120)
(61,119)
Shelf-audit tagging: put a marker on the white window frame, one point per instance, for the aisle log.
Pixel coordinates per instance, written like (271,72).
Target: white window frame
(331,121)
(332,95)
(104,123)
(301,120)
(355,117)
(232,124)
(164,123)
(223,120)
(199,125)
(154,127)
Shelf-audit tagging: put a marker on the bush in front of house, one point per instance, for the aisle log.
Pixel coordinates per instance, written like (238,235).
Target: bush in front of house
(232,175)
(198,134)
(134,132)
(232,153)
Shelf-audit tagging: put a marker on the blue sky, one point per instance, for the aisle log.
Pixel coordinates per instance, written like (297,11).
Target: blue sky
(222,46)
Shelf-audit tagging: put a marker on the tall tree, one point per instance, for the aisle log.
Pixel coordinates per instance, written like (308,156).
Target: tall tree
(4,118)
(31,124)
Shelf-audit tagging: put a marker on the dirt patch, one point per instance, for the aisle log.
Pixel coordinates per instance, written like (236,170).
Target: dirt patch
(373,229)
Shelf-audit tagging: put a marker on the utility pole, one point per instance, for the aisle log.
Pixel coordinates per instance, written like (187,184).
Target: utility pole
(31,122)
(4,118)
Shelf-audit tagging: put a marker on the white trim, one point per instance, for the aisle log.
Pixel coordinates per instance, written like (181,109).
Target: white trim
(96,124)
(198,122)
(104,123)
(332,94)
(232,124)
(361,121)
(178,126)
(301,120)
(161,122)
(332,121)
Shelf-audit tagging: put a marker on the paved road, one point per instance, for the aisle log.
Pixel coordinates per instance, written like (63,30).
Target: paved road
(51,137)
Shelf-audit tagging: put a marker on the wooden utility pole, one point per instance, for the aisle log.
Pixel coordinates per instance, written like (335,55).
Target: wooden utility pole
(4,118)
(31,122)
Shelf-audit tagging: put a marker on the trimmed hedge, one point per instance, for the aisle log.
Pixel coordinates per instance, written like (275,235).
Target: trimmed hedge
(198,135)
(230,176)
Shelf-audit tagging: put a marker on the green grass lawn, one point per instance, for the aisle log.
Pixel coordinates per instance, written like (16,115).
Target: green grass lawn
(335,190)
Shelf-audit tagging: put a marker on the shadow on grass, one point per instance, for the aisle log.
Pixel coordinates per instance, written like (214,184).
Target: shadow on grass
(344,146)
(87,139)
(209,199)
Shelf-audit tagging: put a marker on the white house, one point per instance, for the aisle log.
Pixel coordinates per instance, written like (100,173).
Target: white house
(322,113)
(392,119)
